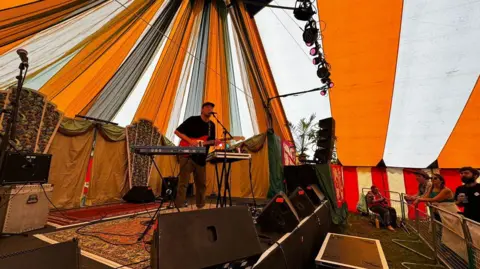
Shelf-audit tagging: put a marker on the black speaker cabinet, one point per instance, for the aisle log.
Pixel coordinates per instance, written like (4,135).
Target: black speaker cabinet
(300,176)
(278,216)
(22,168)
(302,203)
(57,256)
(315,195)
(205,239)
(139,194)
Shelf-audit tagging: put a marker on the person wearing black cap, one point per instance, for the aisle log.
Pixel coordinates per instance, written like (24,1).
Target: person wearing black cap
(424,186)
(468,195)
(191,131)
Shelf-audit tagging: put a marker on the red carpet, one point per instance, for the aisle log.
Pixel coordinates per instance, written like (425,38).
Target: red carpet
(86,214)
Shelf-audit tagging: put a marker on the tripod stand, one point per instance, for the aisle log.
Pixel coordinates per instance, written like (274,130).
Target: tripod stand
(156,215)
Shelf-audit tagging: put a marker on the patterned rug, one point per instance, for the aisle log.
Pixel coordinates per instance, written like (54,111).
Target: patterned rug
(92,213)
(114,240)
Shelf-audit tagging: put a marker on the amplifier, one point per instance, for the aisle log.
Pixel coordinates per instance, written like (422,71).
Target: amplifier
(22,168)
(23,208)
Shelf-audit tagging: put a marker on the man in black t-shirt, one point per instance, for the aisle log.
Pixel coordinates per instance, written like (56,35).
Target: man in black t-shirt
(191,131)
(468,195)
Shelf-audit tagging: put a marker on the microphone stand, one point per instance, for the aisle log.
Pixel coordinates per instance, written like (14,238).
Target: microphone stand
(10,130)
(224,168)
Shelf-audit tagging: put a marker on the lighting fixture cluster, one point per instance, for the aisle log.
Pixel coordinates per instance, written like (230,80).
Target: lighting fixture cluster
(304,12)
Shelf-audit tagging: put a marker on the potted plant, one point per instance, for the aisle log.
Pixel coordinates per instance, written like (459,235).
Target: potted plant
(305,134)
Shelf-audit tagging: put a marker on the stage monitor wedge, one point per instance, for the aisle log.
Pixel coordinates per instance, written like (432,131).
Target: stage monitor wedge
(139,195)
(56,256)
(302,203)
(315,194)
(278,216)
(205,239)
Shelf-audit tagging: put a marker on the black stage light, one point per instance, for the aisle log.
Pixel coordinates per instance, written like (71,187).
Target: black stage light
(303,10)
(310,33)
(323,92)
(314,51)
(327,82)
(317,60)
(322,71)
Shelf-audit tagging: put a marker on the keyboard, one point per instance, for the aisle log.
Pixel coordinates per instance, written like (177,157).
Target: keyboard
(218,156)
(168,150)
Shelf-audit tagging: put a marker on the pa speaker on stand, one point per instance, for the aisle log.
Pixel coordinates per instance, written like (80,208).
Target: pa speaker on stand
(325,141)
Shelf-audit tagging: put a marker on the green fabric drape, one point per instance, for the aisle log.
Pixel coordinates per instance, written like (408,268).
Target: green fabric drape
(72,127)
(324,177)
(275,164)
(112,133)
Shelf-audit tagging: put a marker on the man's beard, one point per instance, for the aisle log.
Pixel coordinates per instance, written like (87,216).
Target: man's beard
(468,180)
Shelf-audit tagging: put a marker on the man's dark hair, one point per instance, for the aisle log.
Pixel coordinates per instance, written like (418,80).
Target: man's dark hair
(475,172)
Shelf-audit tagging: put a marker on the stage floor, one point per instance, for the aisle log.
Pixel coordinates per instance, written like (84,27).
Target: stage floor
(96,237)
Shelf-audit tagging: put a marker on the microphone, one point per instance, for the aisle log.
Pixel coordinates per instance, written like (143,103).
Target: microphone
(23,55)
(212,113)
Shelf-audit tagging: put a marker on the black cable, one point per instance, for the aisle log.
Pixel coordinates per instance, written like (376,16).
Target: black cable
(284,255)
(134,263)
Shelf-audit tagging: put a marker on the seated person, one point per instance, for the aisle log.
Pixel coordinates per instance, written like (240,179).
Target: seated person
(378,204)
(439,195)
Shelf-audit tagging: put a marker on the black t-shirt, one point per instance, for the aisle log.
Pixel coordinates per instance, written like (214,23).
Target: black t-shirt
(195,127)
(472,208)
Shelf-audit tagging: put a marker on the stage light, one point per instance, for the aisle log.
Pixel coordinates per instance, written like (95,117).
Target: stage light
(327,82)
(309,44)
(310,33)
(303,10)
(314,51)
(322,72)
(317,60)
(323,92)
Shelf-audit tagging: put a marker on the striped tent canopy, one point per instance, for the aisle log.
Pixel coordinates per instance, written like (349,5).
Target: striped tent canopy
(159,60)
(406,73)
(407,88)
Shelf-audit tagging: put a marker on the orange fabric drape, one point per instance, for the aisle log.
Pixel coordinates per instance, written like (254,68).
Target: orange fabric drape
(463,146)
(268,86)
(109,180)
(216,77)
(240,176)
(15,3)
(70,156)
(361,44)
(82,79)
(18,23)
(158,100)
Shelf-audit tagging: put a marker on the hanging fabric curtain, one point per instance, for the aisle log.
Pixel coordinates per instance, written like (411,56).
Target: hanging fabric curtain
(58,42)
(81,80)
(18,23)
(197,83)
(235,122)
(216,79)
(269,88)
(118,89)
(69,168)
(109,172)
(158,100)
(261,79)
